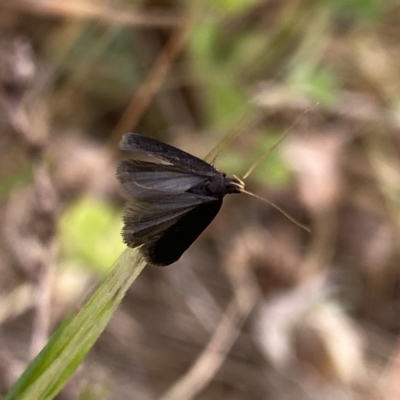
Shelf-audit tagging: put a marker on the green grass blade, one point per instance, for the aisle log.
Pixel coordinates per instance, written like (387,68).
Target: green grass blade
(67,347)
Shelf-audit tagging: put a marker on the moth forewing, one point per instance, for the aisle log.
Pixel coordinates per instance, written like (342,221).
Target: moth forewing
(163,151)
(140,178)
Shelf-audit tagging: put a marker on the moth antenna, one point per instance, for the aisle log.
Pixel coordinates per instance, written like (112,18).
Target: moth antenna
(287,133)
(300,225)
(244,122)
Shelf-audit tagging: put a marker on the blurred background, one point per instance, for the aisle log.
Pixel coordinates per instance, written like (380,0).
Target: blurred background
(257,308)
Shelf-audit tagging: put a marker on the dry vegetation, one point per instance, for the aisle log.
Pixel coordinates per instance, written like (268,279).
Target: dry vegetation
(257,308)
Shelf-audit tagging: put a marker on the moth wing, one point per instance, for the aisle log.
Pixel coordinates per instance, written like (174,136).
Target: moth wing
(134,141)
(144,180)
(145,221)
(169,246)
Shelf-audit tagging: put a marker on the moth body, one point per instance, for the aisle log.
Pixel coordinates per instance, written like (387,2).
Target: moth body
(170,204)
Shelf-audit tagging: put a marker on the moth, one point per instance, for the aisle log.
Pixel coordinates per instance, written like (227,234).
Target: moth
(170,204)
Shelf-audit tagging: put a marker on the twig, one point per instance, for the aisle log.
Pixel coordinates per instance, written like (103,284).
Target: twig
(196,297)
(154,80)
(213,356)
(31,214)
(94,11)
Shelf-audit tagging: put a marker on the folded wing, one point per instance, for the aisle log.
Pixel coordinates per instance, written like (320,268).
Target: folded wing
(134,141)
(146,180)
(146,221)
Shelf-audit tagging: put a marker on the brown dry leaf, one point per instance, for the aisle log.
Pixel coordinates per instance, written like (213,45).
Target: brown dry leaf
(315,160)
(310,338)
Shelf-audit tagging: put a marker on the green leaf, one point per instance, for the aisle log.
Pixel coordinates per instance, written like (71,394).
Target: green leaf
(361,9)
(90,233)
(319,84)
(53,366)
(18,178)
(233,6)
(225,102)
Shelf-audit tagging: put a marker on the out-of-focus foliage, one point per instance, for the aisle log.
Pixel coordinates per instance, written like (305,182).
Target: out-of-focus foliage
(21,177)
(231,6)
(90,231)
(214,55)
(371,10)
(272,171)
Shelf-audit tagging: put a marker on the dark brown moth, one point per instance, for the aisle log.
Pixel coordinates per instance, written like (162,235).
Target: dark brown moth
(170,204)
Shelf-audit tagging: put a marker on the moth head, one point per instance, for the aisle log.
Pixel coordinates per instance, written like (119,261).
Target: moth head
(234,185)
